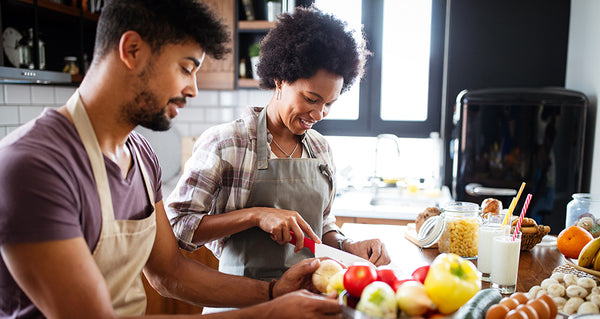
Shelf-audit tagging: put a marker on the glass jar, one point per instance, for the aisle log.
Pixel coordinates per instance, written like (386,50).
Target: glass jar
(71,65)
(584,205)
(456,229)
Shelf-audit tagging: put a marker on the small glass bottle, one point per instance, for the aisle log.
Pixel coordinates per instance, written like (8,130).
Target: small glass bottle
(583,205)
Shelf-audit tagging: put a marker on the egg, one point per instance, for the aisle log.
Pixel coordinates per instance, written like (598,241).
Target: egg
(497,311)
(541,308)
(520,297)
(551,304)
(515,314)
(528,310)
(509,303)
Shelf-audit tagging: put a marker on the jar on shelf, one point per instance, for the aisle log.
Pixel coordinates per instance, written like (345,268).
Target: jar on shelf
(584,205)
(71,65)
(456,229)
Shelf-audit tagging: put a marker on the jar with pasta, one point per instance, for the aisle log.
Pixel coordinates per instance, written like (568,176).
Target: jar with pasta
(460,233)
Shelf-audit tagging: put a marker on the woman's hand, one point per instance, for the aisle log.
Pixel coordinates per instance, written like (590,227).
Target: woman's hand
(279,223)
(370,249)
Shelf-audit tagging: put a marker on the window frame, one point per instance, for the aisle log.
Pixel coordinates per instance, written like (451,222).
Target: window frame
(369,122)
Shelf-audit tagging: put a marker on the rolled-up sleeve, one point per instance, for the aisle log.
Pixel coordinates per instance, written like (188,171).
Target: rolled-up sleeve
(193,196)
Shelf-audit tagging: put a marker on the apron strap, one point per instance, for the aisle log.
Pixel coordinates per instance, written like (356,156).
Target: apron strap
(261,140)
(90,143)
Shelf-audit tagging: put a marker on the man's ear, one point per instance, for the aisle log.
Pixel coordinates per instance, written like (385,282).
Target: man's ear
(131,47)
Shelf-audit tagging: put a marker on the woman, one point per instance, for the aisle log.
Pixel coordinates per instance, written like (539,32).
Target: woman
(252,181)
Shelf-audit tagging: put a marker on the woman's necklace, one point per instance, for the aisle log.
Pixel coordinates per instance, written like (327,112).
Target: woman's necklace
(286,154)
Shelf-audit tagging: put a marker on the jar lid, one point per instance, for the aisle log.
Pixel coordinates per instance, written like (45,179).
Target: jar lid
(431,231)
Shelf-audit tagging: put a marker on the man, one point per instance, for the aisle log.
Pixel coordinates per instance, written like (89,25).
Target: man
(81,213)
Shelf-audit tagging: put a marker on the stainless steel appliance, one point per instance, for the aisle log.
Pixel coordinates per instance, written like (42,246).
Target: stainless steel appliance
(507,136)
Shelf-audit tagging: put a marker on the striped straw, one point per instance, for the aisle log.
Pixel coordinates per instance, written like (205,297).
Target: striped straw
(518,227)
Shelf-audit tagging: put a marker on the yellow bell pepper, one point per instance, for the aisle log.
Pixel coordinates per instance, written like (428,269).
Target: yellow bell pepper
(451,282)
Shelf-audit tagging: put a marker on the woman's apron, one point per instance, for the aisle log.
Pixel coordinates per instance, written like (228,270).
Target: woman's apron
(124,245)
(300,184)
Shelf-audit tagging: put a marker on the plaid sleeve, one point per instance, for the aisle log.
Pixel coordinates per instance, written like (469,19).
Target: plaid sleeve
(192,198)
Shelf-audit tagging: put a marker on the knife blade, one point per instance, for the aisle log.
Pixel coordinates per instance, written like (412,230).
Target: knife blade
(322,250)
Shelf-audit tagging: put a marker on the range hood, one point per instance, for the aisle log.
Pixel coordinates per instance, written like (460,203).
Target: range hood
(27,76)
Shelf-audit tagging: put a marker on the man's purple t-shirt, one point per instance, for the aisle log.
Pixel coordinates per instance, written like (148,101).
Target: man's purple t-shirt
(48,192)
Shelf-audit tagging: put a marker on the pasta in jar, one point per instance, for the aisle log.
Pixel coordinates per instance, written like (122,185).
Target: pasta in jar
(461,230)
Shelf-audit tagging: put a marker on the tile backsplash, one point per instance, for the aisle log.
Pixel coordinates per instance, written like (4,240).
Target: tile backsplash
(20,103)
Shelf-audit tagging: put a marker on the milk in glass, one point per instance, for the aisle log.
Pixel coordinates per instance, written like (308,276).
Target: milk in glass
(505,265)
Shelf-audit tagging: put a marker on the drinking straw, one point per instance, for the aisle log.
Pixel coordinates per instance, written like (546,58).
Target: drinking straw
(518,227)
(512,205)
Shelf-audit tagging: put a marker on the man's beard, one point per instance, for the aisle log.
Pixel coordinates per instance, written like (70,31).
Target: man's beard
(140,112)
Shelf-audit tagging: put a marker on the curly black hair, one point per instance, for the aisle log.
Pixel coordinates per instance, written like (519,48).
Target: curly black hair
(308,40)
(161,22)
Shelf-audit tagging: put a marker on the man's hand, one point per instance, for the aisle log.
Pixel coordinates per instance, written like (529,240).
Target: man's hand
(297,277)
(303,304)
(371,249)
(279,222)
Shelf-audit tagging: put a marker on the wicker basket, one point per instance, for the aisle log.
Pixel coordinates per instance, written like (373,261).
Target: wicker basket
(529,240)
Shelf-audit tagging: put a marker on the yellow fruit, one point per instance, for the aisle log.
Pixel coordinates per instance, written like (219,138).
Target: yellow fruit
(588,253)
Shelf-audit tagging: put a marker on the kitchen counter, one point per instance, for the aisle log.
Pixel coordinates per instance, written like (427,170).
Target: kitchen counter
(391,204)
(535,265)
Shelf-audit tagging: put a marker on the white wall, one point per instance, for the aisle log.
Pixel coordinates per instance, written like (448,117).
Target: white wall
(583,67)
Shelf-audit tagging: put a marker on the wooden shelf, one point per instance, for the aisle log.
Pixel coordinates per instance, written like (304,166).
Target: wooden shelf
(255,25)
(247,83)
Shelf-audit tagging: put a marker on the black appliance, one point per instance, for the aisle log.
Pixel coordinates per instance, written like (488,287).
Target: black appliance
(506,136)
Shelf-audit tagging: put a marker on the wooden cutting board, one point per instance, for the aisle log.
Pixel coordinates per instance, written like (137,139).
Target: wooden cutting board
(411,235)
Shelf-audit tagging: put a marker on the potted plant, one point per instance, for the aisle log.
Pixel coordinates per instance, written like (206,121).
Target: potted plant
(254,52)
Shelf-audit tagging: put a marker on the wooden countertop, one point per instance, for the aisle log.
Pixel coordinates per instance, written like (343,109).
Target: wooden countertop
(535,265)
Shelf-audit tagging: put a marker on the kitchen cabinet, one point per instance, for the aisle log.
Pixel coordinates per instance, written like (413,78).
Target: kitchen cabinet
(64,28)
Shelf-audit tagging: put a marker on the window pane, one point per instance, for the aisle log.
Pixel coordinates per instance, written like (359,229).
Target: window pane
(346,107)
(405,60)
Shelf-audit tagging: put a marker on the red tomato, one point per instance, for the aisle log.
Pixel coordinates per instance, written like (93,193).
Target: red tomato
(398,283)
(386,275)
(421,273)
(357,277)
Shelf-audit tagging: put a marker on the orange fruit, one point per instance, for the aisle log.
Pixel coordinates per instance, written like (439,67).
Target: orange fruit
(570,241)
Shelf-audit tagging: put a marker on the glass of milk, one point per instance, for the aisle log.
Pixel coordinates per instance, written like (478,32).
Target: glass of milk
(492,226)
(487,232)
(505,262)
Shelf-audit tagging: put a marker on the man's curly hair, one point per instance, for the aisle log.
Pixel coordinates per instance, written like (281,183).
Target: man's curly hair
(161,22)
(306,41)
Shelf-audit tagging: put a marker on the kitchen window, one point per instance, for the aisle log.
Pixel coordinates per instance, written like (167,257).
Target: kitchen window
(401,92)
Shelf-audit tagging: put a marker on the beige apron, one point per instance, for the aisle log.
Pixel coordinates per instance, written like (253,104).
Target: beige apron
(124,245)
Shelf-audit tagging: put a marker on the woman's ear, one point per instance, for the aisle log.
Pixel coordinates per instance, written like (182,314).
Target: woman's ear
(131,47)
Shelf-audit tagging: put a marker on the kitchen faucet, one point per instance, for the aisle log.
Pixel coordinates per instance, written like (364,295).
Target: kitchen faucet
(376,178)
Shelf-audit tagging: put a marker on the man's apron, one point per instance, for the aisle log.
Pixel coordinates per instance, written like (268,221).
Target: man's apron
(300,184)
(124,245)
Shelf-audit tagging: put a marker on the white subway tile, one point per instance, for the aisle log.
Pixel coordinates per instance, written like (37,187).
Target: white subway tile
(27,113)
(17,94)
(182,128)
(205,98)
(2,94)
(191,115)
(62,94)
(9,115)
(228,98)
(259,97)
(9,129)
(198,129)
(42,94)
(219,115)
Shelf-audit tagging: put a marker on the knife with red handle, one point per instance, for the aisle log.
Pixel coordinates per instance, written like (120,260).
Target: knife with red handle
(322,250)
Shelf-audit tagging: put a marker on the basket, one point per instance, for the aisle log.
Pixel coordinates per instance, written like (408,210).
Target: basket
(529,240)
